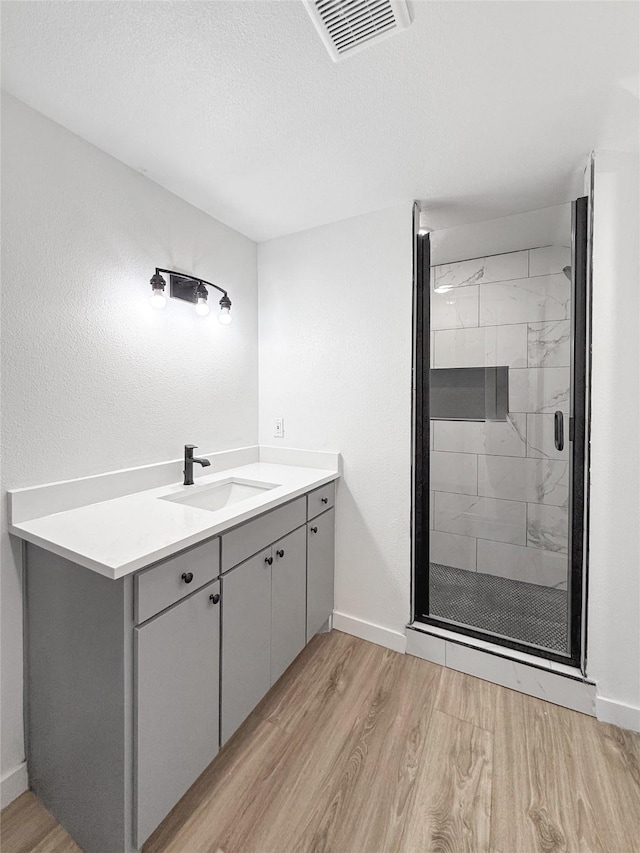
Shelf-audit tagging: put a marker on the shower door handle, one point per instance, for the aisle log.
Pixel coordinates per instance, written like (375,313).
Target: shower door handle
(559,430)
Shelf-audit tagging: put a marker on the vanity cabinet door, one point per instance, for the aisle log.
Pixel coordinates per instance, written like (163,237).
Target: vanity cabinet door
(177,700)
(320,565)
(288,601)
(246,629)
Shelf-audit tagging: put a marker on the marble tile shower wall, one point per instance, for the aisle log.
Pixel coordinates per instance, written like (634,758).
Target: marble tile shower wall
(499,491)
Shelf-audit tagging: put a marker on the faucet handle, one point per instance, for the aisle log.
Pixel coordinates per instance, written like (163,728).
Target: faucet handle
(190,446)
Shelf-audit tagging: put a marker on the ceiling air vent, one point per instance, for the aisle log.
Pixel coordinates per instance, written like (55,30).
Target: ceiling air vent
(347,26)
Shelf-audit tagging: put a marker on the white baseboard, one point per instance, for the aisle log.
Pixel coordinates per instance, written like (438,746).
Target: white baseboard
(394,640)
(617,713)
(13,783)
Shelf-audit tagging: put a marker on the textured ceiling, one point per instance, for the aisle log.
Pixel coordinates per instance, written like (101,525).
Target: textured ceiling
(479,108)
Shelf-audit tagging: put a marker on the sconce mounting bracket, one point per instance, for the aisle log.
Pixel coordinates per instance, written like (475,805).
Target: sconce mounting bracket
(182,287)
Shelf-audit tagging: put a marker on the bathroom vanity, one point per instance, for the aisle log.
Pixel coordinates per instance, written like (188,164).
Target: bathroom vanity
(135,682)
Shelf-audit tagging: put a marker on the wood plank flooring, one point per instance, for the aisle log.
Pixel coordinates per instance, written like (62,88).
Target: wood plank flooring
(358,749)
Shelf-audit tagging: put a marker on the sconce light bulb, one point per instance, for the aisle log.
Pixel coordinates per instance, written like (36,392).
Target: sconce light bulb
(158,299)
(225,316)
(202,309)
(158,284)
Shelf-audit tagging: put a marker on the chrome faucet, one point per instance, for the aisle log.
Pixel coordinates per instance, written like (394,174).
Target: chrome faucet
(189,459)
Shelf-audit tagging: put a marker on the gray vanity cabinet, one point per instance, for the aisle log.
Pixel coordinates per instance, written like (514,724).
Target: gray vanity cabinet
(288,601)
(134,683)
(320,565)
(176,670)
(246,629)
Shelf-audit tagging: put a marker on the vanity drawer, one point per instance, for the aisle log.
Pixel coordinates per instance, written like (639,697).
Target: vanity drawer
(321,499)
(249,538)
(160,586)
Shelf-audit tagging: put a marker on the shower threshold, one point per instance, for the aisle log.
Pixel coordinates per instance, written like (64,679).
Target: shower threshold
(525,612)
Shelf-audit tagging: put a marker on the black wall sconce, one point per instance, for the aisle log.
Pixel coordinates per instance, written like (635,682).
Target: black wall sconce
(189,289)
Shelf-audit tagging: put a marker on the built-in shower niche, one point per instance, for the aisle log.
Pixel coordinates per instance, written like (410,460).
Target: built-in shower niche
(469,393)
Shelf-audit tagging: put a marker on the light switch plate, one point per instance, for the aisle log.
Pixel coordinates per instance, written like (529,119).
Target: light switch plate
(279,428)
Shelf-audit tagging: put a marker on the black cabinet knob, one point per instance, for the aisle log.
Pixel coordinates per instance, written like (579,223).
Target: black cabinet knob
(280,553)
(187,577)
(215,597)
(325,500)
(268,560)
(314,529)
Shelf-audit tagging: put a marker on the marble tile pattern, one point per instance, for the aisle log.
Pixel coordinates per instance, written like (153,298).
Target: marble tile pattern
(481,271)
(514,310)
(549,568)
(541,681)
(548,527)
(481,517)
(454,472)
(457,310)
(450,549)
(527,300)
(548,344)
(539,437)
(496,438)
(530,480)
(539,389)
(486,346)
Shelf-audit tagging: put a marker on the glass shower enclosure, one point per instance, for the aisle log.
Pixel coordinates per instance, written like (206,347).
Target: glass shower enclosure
(499,437)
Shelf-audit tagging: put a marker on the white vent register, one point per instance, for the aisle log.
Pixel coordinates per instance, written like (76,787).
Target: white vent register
(347,26)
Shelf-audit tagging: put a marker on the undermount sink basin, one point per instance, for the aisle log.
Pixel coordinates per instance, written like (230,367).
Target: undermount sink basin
(221,494)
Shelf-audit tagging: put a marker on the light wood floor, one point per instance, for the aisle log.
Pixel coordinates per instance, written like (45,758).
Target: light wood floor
(358,749)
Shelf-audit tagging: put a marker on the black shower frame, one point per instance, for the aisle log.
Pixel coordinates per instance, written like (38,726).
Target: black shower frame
(578,434)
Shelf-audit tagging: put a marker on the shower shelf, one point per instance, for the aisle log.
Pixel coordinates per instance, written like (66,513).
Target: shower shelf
(469,393)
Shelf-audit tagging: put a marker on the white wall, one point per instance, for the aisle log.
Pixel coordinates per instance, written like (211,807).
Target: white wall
(335,362)
(614,587)
(93,378)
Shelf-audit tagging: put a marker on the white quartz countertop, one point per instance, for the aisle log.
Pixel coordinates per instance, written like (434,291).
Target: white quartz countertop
(119,536)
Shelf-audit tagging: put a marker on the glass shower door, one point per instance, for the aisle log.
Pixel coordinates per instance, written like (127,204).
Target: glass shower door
(500,388)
